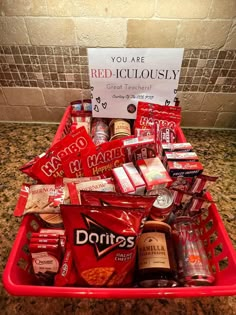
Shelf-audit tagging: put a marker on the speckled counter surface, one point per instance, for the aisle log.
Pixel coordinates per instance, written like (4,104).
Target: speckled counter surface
(20,142)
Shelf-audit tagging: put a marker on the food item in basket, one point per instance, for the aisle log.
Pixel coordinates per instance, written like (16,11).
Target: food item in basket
(106,184)
(67,276)
(179,156)
(100,160)
(139,148)
(182,200)
(123,183)
(37,199)
(107,237)
(100,131)
(153,173)
(184,168)
(46,260)
(119,128)
(51,219)
(156,257)
(175,147)
(135,178)
(163,204)
(198,205)
(95,198)
(193,263)
(200,183)
(49,166)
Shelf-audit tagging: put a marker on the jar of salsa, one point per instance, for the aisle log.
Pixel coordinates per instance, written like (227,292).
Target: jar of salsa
(156,257)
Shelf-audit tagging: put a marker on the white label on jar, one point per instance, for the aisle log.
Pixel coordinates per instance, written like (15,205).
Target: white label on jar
(152,251)
(43,262)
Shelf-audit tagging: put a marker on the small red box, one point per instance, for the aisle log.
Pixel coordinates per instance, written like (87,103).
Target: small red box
(184,168)
(135,178)
(153,173)
(122,180)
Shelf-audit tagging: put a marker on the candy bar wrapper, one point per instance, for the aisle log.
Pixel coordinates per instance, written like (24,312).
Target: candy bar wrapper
(101,159)
(184,168)
(48,167)
(122,181)
(175,147)
(197,206)
(38,199)
(179,157)
(182,201)
(106,184)
(67,275)
(201,184)
(153,173)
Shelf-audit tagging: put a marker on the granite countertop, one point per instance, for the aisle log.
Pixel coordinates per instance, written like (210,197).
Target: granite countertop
(21,142)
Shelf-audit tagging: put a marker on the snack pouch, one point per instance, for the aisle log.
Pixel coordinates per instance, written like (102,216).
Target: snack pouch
(107,237)
(49,165)
(101,159)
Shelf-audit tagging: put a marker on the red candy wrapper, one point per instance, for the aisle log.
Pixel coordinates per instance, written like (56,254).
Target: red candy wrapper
(100,160)
(107,237)
(122,180)
(49,166)
(200,183)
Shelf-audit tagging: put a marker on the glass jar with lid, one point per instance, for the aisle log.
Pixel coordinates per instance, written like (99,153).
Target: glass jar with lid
(156,256)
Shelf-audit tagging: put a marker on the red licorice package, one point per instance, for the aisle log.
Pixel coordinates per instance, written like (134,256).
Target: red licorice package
(96,198)
(103,241)
(67,276)
(101,159)
(49,166)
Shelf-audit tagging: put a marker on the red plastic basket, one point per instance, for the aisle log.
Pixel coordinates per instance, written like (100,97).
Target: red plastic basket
(66,122)
(19,280)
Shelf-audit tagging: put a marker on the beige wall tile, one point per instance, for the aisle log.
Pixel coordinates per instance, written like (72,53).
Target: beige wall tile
(223,9)
(51,31)
(101,32)
(226,120)
(86,94)
(2,98)
(23,96)
(47,114)
(202,34)
(61,97)
(221,102)
(231,39)
(13,31)
(190,101)
(151,33)
(183,9)
(23,7)
(198,119)
(105,8)
(15,113)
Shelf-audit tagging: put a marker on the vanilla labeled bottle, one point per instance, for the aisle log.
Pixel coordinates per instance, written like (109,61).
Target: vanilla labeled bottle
(156,256)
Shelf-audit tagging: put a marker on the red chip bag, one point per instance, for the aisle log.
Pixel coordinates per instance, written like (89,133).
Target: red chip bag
(100,160)
(107,237)
(49,166)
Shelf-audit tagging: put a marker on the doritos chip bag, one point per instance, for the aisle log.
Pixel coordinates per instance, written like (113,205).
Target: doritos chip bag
(103,241)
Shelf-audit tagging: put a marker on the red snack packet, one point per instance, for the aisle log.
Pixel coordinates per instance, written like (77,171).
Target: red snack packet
(107,237)
(44,240)
(100,198)
(100,160)
(49,166)
(67,275)
(72,166)
(200,183)
(123,183)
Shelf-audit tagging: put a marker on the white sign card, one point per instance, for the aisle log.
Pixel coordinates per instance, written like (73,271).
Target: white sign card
(121,77)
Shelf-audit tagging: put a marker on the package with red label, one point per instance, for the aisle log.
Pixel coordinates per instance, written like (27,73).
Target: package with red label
(107,237)
(179,156)
(101,198)
(182,201)
(173,147)
(46,260)
(153,173)
(37,199)
(198,205)
(106,184)
(72,166)
(49,166)
(82,119)
(123,183)
(184,168)
(139,148)
(135,178)
(100,160)
(67,276)
(201,182)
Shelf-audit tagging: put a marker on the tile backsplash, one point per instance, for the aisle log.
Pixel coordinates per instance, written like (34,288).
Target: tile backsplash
(203,70)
